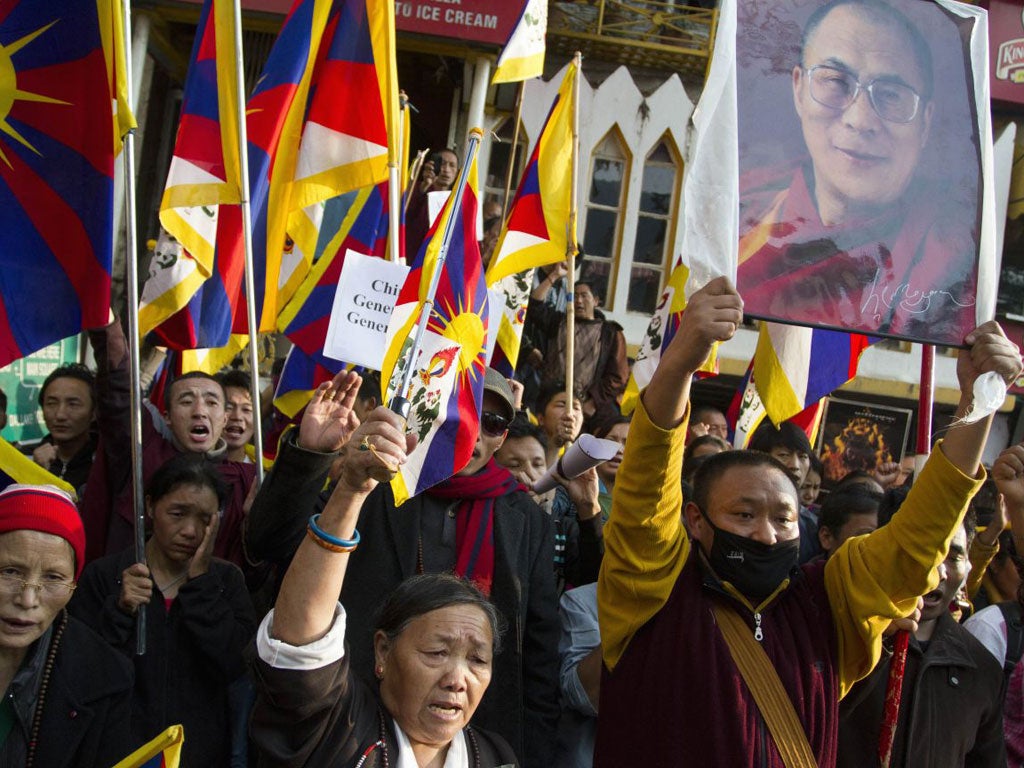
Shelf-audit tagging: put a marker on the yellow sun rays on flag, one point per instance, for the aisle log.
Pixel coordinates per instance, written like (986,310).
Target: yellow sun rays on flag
(466,328)
(9,92)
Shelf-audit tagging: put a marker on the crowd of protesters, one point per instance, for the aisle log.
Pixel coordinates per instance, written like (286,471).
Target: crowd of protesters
(311,621)
(684,603)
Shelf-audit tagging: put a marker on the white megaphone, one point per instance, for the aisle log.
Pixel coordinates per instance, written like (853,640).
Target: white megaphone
(588,451)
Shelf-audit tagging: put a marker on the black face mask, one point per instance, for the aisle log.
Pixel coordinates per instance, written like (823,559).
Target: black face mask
(754,568)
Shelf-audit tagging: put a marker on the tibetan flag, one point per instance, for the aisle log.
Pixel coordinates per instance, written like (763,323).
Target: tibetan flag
(274,118)
(16,467)
(205,174)
(447,387)
(318,127)
(514,293)
(795,367)
(355,221)
(60,127)
(537,231)
(162,752)
(523,54)
(747,412)
(660,332)
(300,377)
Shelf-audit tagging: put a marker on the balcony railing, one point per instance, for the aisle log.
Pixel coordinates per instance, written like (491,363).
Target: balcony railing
(660,35)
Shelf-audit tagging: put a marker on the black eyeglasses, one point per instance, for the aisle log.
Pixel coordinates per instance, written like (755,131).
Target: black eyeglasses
(838,89)
(493,424)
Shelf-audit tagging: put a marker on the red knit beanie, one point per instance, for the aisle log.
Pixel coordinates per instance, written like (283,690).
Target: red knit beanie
(46,509)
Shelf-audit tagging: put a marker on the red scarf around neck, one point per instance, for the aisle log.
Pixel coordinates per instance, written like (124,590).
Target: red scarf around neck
(474,519)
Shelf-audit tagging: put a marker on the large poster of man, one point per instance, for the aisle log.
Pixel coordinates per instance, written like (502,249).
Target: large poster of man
(861,154)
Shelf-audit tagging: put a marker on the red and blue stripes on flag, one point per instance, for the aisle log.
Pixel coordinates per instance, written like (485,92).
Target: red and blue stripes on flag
(459,316)
(363,228)
(194,286)
(57,143)
(317,128)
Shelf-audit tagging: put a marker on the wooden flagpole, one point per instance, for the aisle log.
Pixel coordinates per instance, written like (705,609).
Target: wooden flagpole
(510,171)
(250,285)
(134,365)
(572,247)
(897,667)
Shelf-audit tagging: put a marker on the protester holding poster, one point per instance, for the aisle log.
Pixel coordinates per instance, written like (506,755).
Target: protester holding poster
(860,228)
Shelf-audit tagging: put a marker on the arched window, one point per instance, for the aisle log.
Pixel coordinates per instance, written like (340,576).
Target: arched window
(654,229)
(606,198)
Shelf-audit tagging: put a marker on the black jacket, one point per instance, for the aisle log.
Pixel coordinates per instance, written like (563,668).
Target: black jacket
(951,711)
(87,709)
(521,703)
(193,652)
(327,717)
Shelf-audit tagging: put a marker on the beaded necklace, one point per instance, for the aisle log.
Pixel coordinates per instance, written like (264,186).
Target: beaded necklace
(382,744)
(44,687)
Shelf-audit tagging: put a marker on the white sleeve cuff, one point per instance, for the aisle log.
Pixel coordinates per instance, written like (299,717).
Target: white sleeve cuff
(327,650)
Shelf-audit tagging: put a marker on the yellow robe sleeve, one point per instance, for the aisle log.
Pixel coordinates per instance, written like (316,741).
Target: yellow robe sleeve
(645,542)
(876,578)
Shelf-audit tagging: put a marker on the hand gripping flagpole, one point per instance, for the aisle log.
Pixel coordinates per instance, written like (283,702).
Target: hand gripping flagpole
(134,365)
(897,667)
(571,244)
(400,403)
(250,284)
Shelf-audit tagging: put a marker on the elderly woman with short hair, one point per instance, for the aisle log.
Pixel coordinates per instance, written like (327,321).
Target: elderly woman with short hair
(434,644)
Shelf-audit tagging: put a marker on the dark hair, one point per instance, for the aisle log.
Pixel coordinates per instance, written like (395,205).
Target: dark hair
(698,410)
(788,435)
(419,595)
(840,505)
(370,386)
(816,466)
(691,462)
(195,375)
(3,403)
(69,371)
(547,393)
(970,526)
(232,378)
(186,469)
(711,470)
(610,422)
(892,500)
(881,13)
(589,282)
(521,427)
(856,477)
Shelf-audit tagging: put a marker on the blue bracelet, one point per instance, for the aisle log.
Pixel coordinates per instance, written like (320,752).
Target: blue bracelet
(320,533)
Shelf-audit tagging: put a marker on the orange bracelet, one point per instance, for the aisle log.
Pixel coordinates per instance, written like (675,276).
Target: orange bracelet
(328,545)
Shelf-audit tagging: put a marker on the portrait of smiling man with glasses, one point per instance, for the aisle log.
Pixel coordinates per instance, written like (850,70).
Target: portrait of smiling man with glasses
(853,236)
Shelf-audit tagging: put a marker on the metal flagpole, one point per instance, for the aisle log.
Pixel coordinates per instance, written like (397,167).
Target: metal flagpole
(250,285)
(512,152)
(132,288)
(570,242)
(894,690)
(400,403)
